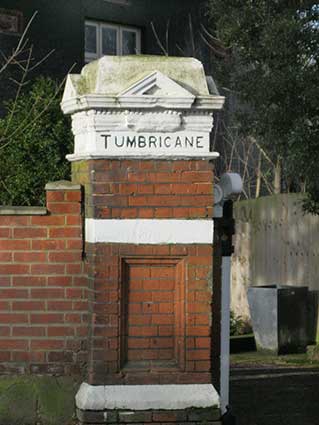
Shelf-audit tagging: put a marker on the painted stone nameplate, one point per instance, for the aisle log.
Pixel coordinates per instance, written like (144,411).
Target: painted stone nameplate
(154,143)
(138,144)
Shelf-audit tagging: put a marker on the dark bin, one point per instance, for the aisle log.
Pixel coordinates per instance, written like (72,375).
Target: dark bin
(279,318)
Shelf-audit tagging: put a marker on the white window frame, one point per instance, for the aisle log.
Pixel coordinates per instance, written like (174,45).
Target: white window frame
(89,56)
(100,44)
(138,38)
(119,39)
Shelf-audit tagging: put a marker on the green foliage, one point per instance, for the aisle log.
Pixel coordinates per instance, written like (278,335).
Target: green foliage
(273,67)
(237,325)
(34,138)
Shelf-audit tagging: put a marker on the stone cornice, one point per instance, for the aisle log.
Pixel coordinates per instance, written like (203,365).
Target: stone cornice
(101,101)
(138,121)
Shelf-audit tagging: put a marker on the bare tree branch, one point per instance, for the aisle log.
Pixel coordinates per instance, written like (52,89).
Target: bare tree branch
(22,58)
(42,60)
(158,40)
(216,52)
(191,33)
(218,43)
(21,45)
(167,36)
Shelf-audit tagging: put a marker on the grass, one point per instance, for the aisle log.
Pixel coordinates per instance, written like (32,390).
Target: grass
(257,359)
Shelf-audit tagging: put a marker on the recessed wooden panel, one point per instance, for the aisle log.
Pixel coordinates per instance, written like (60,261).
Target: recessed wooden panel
(152,317)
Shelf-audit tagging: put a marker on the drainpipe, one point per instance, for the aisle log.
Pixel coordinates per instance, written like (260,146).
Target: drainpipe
(229,185)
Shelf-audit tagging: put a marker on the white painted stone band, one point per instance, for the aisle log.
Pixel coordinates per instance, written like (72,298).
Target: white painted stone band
(148,231)
(101,155)
(145,397)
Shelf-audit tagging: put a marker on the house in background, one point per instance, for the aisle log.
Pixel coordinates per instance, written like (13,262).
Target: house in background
(78,31)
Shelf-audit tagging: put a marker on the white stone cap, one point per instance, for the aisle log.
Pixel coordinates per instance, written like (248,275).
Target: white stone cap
(17,210)
(140,82)
(146,397)
(62,185)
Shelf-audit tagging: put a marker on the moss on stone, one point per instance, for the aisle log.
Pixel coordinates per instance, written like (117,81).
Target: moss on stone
(36,400)
(79,167)
(56,400)
(80,172)
(113,74)
(88,83)
(17,401)
(204,415)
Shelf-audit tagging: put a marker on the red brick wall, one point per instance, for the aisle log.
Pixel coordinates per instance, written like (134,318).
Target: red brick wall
(153,323)
(43,289)
(135,335)
(119,328)
(124,189)
(133,313)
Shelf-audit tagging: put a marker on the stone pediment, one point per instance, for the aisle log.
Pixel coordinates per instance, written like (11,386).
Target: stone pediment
(157,84)
(157,89)
(140,82)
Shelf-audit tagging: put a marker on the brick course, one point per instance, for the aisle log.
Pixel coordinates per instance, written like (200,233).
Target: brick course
(146,189)
(207,416)
(43,298)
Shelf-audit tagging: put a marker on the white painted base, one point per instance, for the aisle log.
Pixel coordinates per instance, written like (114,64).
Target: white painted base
(146,397)
(148,231)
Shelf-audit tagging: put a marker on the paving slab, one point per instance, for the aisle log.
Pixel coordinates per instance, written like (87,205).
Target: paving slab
(273,396)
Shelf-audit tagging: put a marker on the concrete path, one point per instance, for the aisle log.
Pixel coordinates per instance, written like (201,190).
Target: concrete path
(287,396)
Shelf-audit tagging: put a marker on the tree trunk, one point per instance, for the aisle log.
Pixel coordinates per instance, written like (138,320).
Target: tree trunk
(258,180)
(277,177)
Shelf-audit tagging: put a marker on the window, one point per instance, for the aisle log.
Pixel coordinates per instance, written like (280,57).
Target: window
(108,39)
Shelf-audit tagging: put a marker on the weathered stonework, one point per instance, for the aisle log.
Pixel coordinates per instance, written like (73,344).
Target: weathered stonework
(142,151)
(180,404)
(206,416)
(160,109)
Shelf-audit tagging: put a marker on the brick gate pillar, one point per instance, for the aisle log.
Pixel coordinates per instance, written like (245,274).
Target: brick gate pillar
(142,153)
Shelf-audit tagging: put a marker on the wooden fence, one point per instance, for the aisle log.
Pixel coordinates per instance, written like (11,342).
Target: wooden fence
(275,243)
